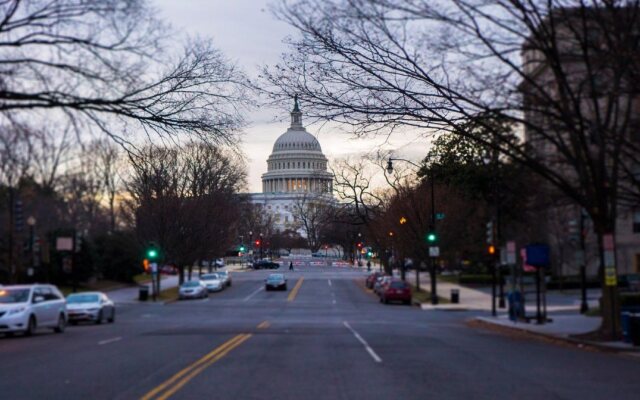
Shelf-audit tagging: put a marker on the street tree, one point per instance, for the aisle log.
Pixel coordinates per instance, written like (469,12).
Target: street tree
(562,72)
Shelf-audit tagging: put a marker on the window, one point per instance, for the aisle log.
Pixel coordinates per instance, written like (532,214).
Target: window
(636,221)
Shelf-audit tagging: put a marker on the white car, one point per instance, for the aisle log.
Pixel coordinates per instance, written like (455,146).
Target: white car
(90,306)
(226,277)
(193,290)
(25,308)
(213,282)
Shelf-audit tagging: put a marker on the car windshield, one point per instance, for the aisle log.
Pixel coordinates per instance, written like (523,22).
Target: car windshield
(191,284)
(83,298)
(275,277)
(209,277)
(398,285)
(9,296)
(223,273)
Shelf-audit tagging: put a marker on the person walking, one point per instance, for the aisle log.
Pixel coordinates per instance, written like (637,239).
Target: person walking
(368,265)
(290,265)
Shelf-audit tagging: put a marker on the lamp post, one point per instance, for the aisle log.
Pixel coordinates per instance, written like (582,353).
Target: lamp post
(31,221)
(432,236)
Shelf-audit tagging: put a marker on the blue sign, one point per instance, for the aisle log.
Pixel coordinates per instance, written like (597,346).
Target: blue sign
(538,255)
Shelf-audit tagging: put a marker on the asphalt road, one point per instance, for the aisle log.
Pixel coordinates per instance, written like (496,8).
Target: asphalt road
(326,337)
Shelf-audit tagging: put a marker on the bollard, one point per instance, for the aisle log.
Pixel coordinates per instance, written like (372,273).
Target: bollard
(455,296)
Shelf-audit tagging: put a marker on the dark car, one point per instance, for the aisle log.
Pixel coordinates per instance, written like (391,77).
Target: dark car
(371,279)
(263,264)
(275,282)
(396,290)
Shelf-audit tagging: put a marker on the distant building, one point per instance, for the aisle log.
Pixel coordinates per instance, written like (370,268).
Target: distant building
(296,173)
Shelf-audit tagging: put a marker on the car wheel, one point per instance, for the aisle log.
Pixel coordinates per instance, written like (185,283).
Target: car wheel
(386,301)
(74,323)
(62,324)
(113,316)
(99,319)
(407,302)
(31,327)
(285,287)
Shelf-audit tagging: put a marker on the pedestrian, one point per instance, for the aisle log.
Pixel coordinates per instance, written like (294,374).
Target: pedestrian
(290,265)
(368,265)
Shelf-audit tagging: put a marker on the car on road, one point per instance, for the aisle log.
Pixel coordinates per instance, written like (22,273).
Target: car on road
(226,278)
(275,282)
(371,279)
(26,308)
(380,283)
(90,306)
(192,290)
(169,270)
(264,264)
(396,290)
(213,282)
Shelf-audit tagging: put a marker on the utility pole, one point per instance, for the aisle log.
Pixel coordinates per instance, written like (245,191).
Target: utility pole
(584,306)
(432,231)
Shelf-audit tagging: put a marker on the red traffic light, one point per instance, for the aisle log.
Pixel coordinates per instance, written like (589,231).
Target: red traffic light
(257,243)
(359,244)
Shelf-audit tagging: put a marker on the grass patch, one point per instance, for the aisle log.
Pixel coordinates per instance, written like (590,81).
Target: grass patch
(169,294)
(142,278)
(424,296)
(448,278)
(594,312)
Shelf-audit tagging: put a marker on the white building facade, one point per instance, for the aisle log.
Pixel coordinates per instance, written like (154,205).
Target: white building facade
(296,170)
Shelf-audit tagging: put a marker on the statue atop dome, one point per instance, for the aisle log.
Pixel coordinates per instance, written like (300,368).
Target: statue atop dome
(296,114)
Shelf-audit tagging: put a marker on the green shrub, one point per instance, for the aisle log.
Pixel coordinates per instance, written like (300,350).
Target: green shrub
(475,279)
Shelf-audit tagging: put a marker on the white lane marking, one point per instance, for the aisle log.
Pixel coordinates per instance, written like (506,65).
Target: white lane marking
(372,353)
(330,282)
(103,342)
(253,294)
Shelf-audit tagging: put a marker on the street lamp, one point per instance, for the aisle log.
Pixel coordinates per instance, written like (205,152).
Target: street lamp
(31,221)
(432,236)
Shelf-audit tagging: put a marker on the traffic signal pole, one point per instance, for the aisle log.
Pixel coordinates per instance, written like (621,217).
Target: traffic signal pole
(434,285)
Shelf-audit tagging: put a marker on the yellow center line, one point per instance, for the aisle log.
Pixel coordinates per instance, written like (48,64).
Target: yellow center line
(294,291)
(229,344)
(198,370)
(264,325)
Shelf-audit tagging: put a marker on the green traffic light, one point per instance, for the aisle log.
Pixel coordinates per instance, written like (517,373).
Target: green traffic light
(152,253)
(431,237)
(242,249)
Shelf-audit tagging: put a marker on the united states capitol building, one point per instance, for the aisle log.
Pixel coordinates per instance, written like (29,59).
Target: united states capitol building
(296,173)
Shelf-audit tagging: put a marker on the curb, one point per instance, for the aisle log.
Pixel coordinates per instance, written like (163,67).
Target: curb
(566,339)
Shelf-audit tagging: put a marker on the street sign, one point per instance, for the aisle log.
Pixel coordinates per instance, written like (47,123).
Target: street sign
(607,241)
(154,268)
(526,267)
(439,216)
(538,255)
(434,251)
(610,276)
(64,244)
(511,253)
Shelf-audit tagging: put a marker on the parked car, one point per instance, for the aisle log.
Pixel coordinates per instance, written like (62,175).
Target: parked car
(396,290)
(380,283)
(264,264)
(26,308)
(371,279)
(90,306)
(226,278)
(213,282)
(169,270)
(275,282)
(193,290)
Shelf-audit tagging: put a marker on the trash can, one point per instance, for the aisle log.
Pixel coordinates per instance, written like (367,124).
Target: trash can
(455,296)
(634,329)
(143,294)
(625,318)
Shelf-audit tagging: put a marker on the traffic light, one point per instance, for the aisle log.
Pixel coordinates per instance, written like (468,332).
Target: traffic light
(359,245)
(242,249)
(258,242)
(492,250)
(152,253)
(145,264)
(432,237)
(490,236)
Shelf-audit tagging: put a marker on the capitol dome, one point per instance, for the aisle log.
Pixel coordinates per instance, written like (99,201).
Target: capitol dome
(297,164)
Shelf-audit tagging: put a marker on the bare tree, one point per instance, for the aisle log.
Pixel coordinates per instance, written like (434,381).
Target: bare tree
(108,64)
(562,71)
(314,212)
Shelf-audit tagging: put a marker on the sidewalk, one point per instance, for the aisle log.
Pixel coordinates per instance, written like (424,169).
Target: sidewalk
(562,309)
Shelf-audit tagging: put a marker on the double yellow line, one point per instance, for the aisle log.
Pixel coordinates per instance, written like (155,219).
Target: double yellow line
(294,291)
(177,381)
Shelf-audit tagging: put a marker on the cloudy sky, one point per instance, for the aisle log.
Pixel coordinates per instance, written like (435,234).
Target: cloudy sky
(250,36)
